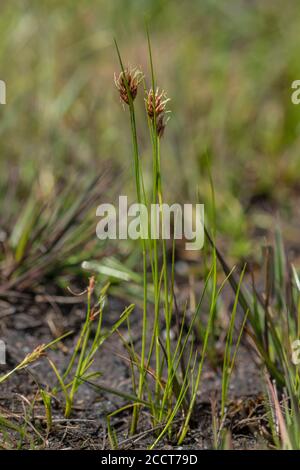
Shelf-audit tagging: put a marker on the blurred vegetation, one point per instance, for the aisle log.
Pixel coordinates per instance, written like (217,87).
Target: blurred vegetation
(227,67)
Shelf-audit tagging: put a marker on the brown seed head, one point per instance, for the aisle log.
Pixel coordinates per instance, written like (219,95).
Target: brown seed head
(133,77)
(34,355)
(91,285)
(156,105)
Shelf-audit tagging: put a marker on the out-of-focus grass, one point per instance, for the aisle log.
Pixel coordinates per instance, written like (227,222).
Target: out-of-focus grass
(228,68)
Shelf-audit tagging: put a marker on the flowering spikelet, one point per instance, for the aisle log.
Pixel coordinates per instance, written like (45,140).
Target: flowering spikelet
(156,106)
(34,355)
(158,102)
(133,77)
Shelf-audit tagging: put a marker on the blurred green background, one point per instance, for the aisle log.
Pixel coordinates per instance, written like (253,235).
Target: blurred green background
(227,67)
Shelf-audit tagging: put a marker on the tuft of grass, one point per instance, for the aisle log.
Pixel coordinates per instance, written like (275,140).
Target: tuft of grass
(87,345)
(273,327)
(52,237)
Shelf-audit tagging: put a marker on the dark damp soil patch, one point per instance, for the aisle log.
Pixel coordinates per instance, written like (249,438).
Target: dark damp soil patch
(26,324)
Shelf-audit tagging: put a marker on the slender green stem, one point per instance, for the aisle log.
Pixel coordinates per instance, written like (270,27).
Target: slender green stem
(165,263)
(139,192)
(205,343)
(144,253)
(156,280)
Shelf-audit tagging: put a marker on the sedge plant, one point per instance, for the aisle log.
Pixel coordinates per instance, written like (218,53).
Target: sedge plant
(152,251)
(175,367)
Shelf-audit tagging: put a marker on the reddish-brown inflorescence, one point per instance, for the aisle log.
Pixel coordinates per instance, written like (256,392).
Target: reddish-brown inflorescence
(156,106)
(133,77)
